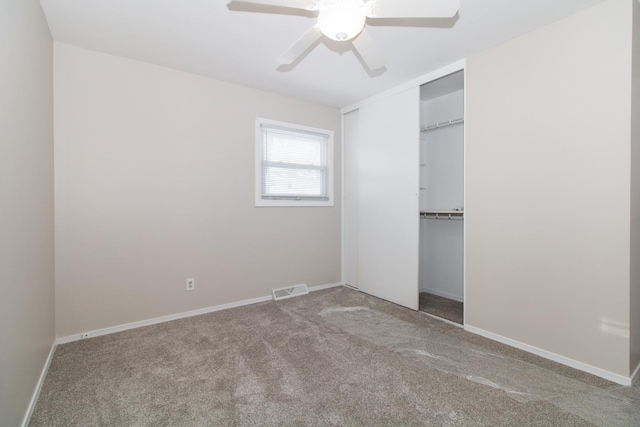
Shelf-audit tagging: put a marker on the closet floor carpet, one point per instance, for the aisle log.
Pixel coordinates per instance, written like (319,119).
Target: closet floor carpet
(333,357)
(441,307)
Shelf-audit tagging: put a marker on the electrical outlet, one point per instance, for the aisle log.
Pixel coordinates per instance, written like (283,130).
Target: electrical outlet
(191,284)
(85,335)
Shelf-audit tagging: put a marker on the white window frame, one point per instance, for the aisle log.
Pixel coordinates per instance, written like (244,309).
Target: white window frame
(262,202)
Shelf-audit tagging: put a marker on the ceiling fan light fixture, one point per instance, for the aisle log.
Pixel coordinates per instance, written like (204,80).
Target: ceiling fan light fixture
(342,20)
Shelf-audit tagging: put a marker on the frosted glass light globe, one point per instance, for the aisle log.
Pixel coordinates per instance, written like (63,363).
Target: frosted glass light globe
(341,21)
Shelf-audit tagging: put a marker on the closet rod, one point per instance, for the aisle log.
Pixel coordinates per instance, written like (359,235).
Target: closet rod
(442,124)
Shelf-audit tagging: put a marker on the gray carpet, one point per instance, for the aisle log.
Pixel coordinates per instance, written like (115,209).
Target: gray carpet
(334,357)
(441,307)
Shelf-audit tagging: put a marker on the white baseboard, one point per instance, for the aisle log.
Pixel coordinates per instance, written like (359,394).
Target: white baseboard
(616,378)
(327,286)
(156,320)
(36,392)
(443,294)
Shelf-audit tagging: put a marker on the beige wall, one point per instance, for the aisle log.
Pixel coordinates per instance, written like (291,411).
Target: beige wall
(635,192)
(548,188)
(26,204)
(155,184)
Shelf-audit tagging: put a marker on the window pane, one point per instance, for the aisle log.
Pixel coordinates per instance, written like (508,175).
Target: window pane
(298,149)
(279,181)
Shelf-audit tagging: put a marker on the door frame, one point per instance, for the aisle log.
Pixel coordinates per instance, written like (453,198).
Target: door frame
(426,78)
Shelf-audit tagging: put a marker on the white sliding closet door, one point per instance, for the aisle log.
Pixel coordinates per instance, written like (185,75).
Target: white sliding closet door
(388,203)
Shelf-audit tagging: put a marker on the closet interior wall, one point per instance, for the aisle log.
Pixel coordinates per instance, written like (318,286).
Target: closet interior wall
(442,188)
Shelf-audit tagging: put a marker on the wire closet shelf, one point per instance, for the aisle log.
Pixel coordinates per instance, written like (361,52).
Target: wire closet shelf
(442,124)
(455,215)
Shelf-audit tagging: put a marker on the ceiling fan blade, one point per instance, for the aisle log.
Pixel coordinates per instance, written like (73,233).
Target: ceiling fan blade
(368,50)
(294,4)
(412,8)
(300,46)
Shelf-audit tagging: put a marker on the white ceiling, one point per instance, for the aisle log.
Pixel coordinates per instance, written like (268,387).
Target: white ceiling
(228,42)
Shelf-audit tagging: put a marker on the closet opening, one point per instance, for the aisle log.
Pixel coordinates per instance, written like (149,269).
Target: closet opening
(441,266)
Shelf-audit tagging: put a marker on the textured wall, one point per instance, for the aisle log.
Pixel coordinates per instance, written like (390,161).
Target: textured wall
(155,184)
(26,204)
(548,188)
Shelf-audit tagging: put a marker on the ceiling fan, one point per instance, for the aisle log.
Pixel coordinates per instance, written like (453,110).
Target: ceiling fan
(344,20)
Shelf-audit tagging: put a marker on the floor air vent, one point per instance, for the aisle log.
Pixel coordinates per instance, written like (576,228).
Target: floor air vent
(293,291)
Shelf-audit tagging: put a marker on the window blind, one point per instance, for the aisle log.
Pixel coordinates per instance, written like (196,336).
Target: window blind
(294,164)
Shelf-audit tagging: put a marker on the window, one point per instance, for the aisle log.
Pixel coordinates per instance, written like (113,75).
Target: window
(294,165)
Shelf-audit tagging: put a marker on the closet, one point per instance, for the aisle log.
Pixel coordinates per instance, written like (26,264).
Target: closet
(442,197)
(403,192)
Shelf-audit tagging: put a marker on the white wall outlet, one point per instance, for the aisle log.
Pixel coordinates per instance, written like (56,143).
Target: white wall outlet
(85,335)
(191,284)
